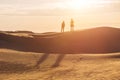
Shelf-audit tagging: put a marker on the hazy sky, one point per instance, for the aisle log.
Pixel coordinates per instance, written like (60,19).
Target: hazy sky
(47,15)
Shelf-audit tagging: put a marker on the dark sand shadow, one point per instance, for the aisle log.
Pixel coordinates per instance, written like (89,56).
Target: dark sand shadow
(58,61)
(114,56)
(42,59)
(45,56)
(8,68)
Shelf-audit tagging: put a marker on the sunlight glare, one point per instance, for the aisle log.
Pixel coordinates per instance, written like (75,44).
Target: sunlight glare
(80,4)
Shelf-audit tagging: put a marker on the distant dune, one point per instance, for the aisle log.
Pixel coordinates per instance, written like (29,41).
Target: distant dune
(96,40)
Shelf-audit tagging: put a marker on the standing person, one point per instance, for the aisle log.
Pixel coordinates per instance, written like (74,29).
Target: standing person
(72,25)
(62,26)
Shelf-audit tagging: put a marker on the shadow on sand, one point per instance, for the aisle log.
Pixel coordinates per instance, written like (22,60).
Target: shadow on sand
(10,67)
(7,67)
(114,56)
(45,56)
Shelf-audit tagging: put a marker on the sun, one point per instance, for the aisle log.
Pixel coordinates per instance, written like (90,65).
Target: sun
(80,4)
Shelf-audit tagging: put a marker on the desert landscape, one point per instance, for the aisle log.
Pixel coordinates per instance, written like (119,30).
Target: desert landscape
(92,54)
(59,39)
(17,65)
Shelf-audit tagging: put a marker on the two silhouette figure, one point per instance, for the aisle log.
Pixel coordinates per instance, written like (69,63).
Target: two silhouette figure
(60,56)
(71,25)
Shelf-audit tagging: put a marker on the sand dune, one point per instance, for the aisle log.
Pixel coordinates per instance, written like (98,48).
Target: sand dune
(87,55)
(97,40)
(72,54)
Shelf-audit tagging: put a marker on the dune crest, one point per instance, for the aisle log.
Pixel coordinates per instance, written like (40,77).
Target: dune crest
(96,40)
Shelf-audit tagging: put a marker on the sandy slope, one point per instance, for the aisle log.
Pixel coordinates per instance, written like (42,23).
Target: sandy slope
(15,65)
(96,40)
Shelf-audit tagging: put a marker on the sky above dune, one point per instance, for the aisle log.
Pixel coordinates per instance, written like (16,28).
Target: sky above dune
(47,15)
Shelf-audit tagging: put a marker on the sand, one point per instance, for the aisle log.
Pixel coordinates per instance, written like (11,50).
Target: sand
(17,65)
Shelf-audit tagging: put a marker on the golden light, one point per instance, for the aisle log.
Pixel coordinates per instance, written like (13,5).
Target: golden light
(80,4)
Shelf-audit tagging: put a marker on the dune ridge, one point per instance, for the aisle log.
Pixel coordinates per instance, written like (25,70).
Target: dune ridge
(96,40)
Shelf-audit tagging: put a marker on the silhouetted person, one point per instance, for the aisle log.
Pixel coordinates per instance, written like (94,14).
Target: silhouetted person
(62,26)
(72,25)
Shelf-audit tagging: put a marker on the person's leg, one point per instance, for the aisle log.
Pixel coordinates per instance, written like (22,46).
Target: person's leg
(62,30)
(59,59)
(72,28)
